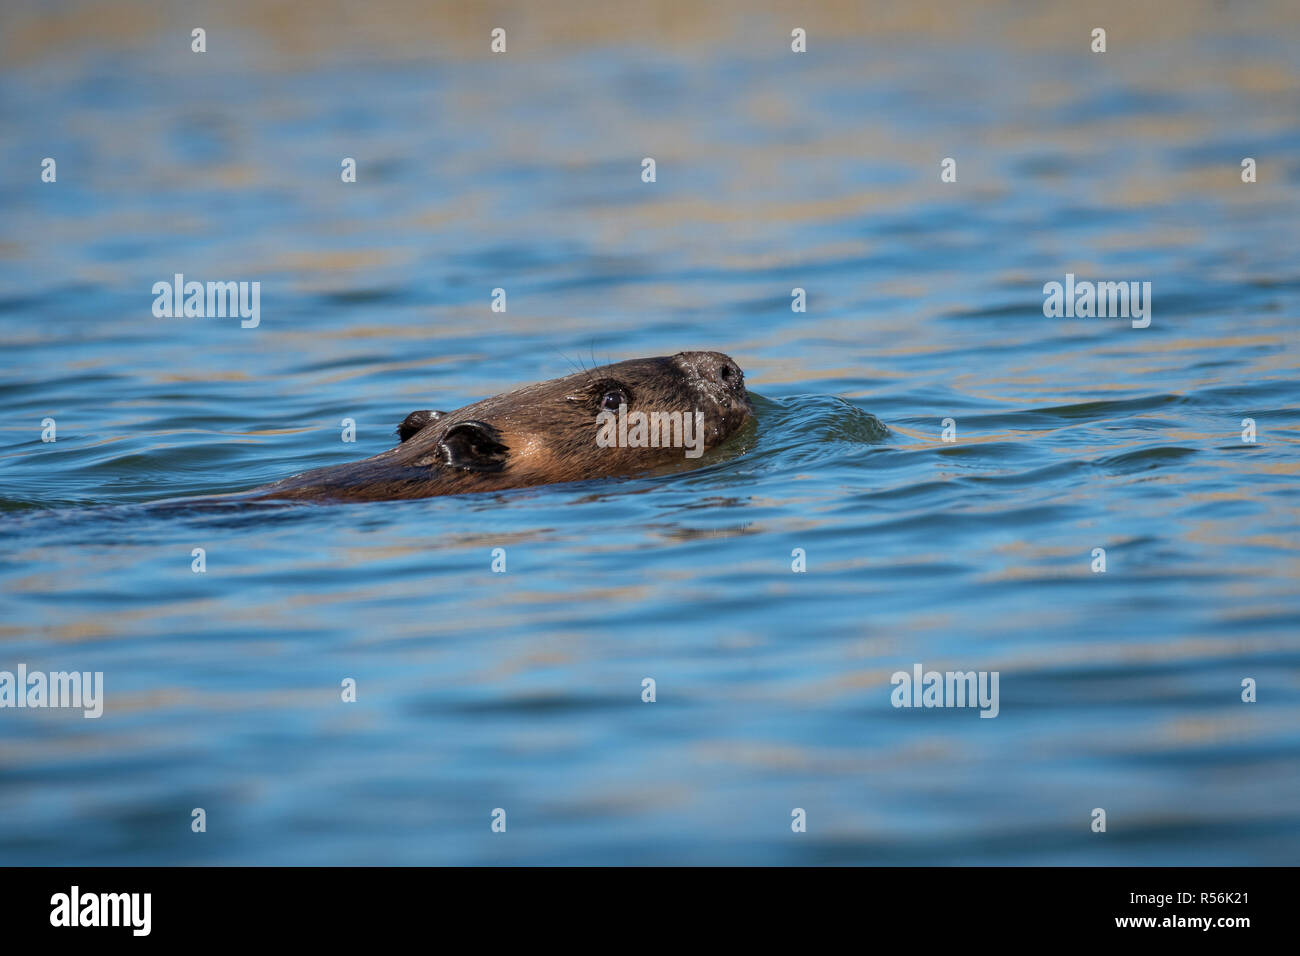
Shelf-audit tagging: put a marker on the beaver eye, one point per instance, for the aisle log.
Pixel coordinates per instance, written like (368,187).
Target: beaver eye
(612,399)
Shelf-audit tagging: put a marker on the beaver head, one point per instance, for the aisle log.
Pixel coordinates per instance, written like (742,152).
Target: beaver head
(622,419)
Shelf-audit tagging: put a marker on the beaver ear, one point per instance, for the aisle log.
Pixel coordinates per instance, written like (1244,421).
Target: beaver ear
(413,422)
(473,446)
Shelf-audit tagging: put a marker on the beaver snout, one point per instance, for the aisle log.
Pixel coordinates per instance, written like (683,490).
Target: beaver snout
(717,379)
(717,373)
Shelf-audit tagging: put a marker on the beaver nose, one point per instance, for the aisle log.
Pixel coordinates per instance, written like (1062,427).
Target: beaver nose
(713,367)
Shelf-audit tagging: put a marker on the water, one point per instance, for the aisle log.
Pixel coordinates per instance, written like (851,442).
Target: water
(475,691)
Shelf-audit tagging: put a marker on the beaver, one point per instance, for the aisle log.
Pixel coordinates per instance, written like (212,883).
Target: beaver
(566,429)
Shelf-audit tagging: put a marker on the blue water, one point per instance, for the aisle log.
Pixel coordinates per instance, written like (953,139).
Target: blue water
(522,691)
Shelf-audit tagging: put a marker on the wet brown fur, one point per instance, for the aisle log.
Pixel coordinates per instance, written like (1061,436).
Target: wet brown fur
(539,434)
